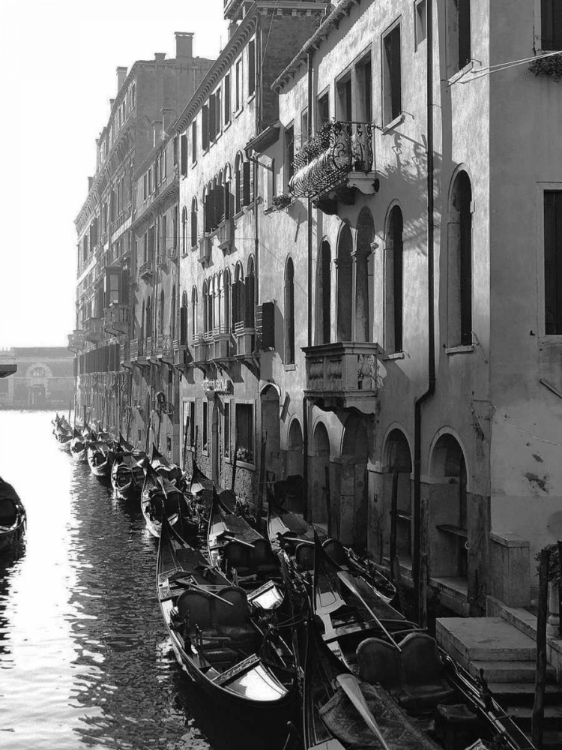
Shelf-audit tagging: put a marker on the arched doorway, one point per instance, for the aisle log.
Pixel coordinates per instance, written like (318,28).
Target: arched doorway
(319,480)
(449,509)
(350,513)
(398,497)
(295,457)
(270,433)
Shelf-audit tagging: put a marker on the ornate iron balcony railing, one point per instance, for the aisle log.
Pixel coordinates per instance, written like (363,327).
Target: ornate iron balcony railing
(324,161)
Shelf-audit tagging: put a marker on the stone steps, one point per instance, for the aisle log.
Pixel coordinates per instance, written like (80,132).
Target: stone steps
(509,671)
(523,693)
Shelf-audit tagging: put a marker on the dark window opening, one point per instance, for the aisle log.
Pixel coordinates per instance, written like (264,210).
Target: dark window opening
(551,25)
(553,262)
(245,433)
(392,76)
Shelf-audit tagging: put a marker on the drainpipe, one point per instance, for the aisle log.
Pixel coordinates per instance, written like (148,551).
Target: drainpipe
(309,57)
(419,571)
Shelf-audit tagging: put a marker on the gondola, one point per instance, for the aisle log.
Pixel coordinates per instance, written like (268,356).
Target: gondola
(62,431)
(100,458)
(79,447)
(217,635)
(165,468)
(159,498)
(13,518)
(290,532)
(127,476)
(402,665)
(240,550)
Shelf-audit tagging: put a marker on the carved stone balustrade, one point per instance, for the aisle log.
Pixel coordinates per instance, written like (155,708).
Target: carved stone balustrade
(343,375)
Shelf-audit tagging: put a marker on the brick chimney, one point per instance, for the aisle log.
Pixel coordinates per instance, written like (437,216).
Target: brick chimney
(159,56)
(184,45)
(168,115)
(121,75)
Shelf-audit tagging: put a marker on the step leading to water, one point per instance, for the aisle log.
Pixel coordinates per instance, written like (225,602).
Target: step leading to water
(483,639)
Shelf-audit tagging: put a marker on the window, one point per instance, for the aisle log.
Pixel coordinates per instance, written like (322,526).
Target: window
(189,424)
(289,313)
(194,312)
(193,222)
(213,129)
(175,147)
(459,259)
(458,34)
(289,153)
(184,230)
(173,316)
(392,76)
(551,25)
(245,433)
(420,21)
(365,91)
(175,227)
(227,112)
(344,101)
(205,425)
(323,110)
(238,167)
(194,141)
(553,262)
(238,86)
(111,288)
(183,319)
(226,429)
(164,230)
(395,282)
(205,127)
(251,67)
(184,155)
(304,126)
(161,314)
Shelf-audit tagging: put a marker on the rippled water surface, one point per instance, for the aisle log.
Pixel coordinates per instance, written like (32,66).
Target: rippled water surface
(84,659)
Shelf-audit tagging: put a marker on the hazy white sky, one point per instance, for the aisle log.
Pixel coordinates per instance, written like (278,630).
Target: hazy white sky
(58,60)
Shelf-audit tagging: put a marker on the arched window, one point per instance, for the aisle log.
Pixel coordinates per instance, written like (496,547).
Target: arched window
(238,177)
(143,322)
(183,319)
(194,311)
(204,297)
(345,284)
(249,295)
(227,189)
(364,277)
(226,315)
(324,294)
(193,222)
(173,315)
(148,318)
(238,295)
(184,230)
(459,280)
(394,282)
(289,312)
(161,314)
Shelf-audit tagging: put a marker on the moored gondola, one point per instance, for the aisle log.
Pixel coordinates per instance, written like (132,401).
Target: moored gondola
(127,476)
(79,447)
(402,665)
(217,639)
(160,498)
(13,517)
(100,459)
(243,553)
(166,469)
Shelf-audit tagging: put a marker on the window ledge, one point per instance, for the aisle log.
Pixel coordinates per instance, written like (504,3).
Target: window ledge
(238,215)
(244,465)
(290,368)
(466,349)
(459,74)
(238,112)
(395,355)
(393,123)
(251,97)
(193,164)
(226,125)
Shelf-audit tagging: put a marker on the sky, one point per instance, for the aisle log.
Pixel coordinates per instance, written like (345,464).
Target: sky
(59,60)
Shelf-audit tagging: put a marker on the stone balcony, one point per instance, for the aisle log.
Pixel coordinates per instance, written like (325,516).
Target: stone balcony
(335,162)
(164,348)
(93,330)
(145,271)
(181,355)
(76,340)
(137,352)
(343,375)
(199,349)
(245,338)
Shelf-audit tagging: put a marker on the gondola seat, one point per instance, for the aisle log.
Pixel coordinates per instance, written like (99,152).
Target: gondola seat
(335,549)
(425,685)
(265,562)
(237,557)
(379,662)
(304,556)
(196,608)
(233,619)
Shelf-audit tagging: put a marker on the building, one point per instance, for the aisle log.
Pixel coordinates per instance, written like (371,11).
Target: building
(149,97)
(350,277)
(44,378)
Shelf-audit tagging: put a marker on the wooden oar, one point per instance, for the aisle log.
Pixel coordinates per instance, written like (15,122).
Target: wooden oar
(353,691)
(233,538)
(182,580)
(347,579)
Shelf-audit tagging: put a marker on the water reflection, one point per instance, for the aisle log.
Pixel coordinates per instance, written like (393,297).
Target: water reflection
(83,652)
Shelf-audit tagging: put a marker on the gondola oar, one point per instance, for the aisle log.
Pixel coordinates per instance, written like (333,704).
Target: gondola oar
(348,580)
(183,580)
(352,689)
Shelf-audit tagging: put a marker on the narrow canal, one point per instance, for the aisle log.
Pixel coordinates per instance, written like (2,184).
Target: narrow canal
(84,659)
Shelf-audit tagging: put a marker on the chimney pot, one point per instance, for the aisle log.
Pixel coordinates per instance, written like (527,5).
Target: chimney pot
(159,56)
(184,45)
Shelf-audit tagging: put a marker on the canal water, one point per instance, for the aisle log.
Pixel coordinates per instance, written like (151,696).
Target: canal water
(84,658)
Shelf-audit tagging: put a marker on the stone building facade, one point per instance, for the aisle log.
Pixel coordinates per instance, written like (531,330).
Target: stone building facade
(362,289)
(44,378)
